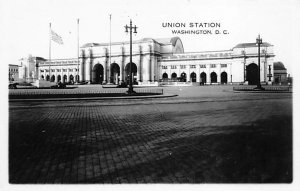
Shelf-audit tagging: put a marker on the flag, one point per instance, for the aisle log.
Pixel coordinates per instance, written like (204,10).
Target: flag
(56,38)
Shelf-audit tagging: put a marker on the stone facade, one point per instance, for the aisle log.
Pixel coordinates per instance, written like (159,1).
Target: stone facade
(13,72)
(161,60)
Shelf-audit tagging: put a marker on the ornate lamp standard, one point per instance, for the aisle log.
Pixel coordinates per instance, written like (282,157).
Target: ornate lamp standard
(130,27)
(259,42)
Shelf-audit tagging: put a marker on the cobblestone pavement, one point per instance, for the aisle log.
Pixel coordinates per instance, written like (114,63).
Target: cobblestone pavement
(178,140)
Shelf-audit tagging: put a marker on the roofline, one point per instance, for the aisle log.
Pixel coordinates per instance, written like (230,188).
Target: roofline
(127,42)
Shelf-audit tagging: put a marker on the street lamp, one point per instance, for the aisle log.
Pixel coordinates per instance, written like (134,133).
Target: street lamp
(130,27)
(259,42)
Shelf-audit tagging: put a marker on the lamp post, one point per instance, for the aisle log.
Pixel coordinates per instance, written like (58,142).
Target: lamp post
(259,42)
(130,27)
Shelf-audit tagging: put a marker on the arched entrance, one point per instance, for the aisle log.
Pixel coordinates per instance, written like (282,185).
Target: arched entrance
(165,77)
(52,78)
(64,78)
(58,78)
(213,77)
(115,73)
(193,77)
(134,72)
(203,77)
(183,77)
(174,76)
(252,74)
(97,74)
(47,78)
(71,79)
(223,78)
(42,76)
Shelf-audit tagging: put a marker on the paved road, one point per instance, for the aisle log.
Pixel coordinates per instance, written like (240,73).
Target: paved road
(200,136)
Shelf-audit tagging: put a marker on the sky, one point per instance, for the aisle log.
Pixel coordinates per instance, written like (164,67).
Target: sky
(25,25)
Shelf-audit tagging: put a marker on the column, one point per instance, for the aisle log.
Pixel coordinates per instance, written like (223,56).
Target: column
(108,69)
(149,68)
(169,72)
(197,73)
(208,74)
(138,72)
(55,75)
(139,64)
(152,68)
(88,70)
(44,73)
(219,73)
(121,71)
(149,63)
(104,71)
(188,77)
(81,71)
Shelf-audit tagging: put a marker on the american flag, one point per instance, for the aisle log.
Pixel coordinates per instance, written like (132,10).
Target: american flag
(56,38)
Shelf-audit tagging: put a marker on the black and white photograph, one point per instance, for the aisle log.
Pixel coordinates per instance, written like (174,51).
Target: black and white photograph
(152,95)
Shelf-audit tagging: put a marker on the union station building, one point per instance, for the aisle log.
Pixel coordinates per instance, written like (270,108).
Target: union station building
(156,61)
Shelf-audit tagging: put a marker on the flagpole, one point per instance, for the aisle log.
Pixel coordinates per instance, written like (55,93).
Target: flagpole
(77,50)
(49,51)
(109,48)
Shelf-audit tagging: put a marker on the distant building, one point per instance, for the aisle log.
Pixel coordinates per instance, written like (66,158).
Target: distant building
(280,73)
(13,72)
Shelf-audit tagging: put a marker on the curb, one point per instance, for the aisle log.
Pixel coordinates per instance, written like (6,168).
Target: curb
(253,91)
(94,98)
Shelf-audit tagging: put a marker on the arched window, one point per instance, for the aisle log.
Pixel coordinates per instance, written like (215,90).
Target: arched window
(58,78)
(203,78)
(52,78)
(193,77)
(224,78)
(213,77)
(64,78)
(174,76)
(165,75)
(183,77)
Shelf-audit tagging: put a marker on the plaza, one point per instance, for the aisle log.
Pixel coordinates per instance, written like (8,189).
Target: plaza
(207,134)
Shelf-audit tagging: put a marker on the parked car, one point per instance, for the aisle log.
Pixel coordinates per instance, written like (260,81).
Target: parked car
(13,85)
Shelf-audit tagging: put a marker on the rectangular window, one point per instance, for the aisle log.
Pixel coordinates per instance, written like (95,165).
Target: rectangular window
(164,67)
(52,70)
(202,66)
(70,70)
(42,70)
(58,70)
(212,65)
(192,66)
(64,70)
(173,67)
(182,66)
(47,70)
(223,65)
